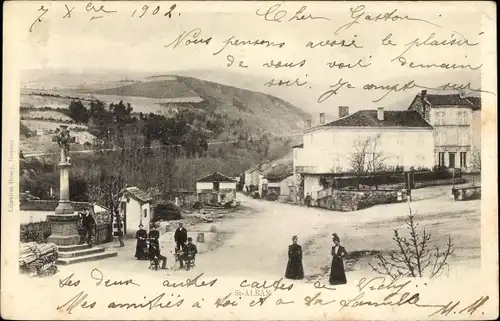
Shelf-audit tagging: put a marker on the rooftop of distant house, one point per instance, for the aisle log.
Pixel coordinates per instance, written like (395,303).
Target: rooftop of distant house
(253,168)
(215,177)
(138,194)
(437,100)
(279,173)
(368,118)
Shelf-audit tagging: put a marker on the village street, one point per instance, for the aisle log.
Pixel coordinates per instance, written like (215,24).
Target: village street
(253,242)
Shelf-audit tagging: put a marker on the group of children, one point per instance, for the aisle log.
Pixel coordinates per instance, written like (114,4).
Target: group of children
(185,253)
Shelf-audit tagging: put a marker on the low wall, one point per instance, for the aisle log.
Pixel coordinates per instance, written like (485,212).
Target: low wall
(345,200)
(40,231)
(438,182)
(466,193)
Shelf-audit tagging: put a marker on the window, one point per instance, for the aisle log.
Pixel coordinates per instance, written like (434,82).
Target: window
(464,139)
(462,118)
(441,138)
(440,118)
(145,212)
(463,159)
(441,159)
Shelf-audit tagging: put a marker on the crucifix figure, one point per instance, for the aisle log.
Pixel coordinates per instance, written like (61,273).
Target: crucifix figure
(63,139)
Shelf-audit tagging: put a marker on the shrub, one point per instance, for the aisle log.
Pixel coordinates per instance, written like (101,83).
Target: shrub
(413,257)
(35,232)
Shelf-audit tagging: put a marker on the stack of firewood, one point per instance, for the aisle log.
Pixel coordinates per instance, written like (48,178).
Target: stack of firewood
(38,259)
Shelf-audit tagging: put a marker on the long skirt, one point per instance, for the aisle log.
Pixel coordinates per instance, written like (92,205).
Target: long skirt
(141,250)
(337,273)
(294,270)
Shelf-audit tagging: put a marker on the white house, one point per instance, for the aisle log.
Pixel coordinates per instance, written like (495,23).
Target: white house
(456,119)
(283,183)
(368,138)
(135,209)
(251,177)
(216,188)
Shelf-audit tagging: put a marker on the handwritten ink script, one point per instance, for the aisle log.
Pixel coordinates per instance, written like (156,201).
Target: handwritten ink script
(98,11)
(370,292)
(339,46)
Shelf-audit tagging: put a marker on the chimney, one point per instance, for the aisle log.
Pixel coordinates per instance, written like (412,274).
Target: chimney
(308,123)
(380,113)
(321,118)
(425,106)
(343,111)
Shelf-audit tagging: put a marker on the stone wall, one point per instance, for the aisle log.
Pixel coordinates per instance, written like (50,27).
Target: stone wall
(345,200)
(467,193)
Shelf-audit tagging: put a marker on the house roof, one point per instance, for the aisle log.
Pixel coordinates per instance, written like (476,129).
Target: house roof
(280,173)
(476,102)
(299,146)
(216,177)
(138,194)
(368,118)
(436,100)
(253,168)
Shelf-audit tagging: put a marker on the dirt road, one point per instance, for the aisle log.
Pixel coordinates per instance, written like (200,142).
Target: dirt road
(255,241)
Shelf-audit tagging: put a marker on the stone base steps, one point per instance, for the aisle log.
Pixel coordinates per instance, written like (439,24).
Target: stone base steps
(82,253)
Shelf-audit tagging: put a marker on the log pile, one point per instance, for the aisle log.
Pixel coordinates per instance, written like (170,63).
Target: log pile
(208,215)
(38,259)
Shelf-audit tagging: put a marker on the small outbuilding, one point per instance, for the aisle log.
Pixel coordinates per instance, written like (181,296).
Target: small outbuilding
(216,188)
(135,209)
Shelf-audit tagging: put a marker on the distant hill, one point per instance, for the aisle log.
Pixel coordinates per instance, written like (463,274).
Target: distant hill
(261,113)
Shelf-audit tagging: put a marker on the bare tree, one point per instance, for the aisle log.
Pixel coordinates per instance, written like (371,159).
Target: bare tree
(375,158)
(367,157)
(413,257)
(476,158)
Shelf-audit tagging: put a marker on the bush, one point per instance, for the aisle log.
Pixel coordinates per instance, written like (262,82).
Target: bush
(35,232)
(414,258)
(272,197)
(197,205)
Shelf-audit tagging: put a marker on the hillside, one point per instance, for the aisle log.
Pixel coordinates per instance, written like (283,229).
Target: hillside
(260,113)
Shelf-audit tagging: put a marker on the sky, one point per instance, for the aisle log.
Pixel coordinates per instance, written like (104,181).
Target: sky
(121,43)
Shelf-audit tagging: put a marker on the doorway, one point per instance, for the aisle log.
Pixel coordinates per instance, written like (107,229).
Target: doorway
(451,158)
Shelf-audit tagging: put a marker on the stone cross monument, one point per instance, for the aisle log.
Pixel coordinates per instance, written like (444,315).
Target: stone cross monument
(64,223)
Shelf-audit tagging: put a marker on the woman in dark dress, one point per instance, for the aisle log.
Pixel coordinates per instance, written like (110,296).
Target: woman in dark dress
(141,249)
(337,273)
(294,268)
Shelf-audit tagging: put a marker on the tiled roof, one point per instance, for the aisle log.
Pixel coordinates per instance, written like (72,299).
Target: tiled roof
(453,100)
(279,173)
(138,194)
(368,118)
(299,146)
(476,102)
(449,99)
(215,177)
(253,168)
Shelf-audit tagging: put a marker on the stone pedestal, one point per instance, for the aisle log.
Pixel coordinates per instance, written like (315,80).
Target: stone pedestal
(64,229)
(64,224)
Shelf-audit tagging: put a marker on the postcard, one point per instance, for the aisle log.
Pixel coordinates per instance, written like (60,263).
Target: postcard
(249,160)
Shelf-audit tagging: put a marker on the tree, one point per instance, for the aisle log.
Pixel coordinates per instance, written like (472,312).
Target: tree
(78,112)
(476,158)
(413,258)
(367,157)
